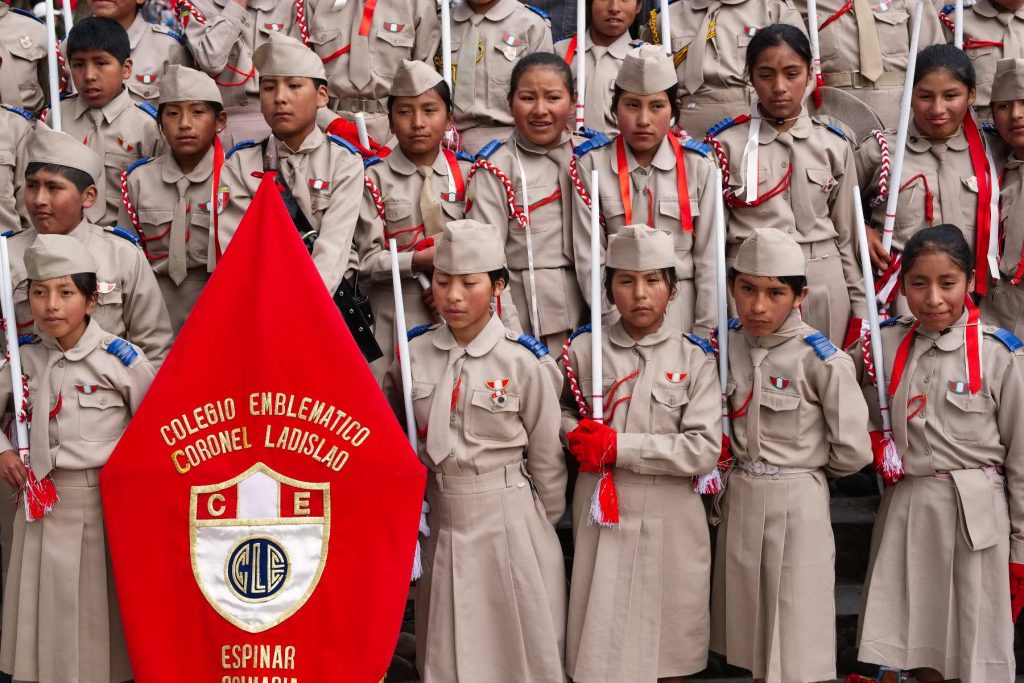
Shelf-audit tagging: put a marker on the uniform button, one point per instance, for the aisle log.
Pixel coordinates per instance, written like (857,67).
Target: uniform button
(923,414)
(785,195)
(926,380)
(931,354)
(53,443)
(451,454)
(103,401)
(672,400)
(785,164)
(789,230)
(60,364)
(452,418)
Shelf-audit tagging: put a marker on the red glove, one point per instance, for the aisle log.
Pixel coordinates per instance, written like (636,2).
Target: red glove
(348,131)
(1016,588)
(593,445)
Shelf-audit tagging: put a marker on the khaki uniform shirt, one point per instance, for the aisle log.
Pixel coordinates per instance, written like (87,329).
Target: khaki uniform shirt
(804,411)
(326,180)
(953,430)
(400,186)
(484,433)
(23,68)
(602,67)
(126,133)
(725,53)
(559,301)
(15,130)
(839,43)
(399,29)
(223,40)
(656,187)
(672,422)
(983,21)
(96,391)
(153,194)
(947,173)
(154,46)
(130,304)
(817,206)
(508,32)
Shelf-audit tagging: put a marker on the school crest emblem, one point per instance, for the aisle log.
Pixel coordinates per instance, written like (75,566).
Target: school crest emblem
(26,42)
(106,287)
(392,27)
(125,145)
(273,27)
(259,545)
(959,386)
(222,201)
(319,184)
(510,46)
(885,6)
(499,397)
(751,31)
(146,79)
(87,388)
(675,377)
(778,382)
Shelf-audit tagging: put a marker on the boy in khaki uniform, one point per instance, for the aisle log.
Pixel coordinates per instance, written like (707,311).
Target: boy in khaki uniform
(709,41)
(170,200)
(362,43)
(130,304)
(23,70)
(223,35)
(323,173)
(487,40)
(103,114)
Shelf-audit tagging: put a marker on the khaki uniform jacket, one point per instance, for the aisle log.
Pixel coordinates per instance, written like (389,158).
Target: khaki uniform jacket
(602,67)
(559,300)
(400,29)
(638,604)
(1003,306)
(326,180)
(154,46)
(508,32)
(840,50)
(816,210)
(130,304)
(127,133)
(400,186)
(725,87)
(694,307)
(23,69)
(495,491)
(772,604)
(967,521)
(224,38)
(153,194)
(15,131)
(983,21)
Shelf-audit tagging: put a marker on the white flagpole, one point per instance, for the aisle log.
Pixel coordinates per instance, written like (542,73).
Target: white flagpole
(596,297)
(53,66)
(666,28)
(958,24)
(581,62)
(14,358)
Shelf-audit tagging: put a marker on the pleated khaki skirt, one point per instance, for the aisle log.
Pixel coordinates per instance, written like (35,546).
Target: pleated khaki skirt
(930,600)
(491,603)
(638,603)
(773,592)
(61,621)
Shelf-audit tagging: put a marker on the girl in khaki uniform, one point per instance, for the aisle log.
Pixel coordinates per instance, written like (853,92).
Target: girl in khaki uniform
(546,300)
(414,191)
(1004,304)
(170,200)
(61,620)
(607,42)
(488,38)
(709,47)
(946,177)
(650,176)
(491,603)
(936,597)
(638,604)
(797,418)
(785,170)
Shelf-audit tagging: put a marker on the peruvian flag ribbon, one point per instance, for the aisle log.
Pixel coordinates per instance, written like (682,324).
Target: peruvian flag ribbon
(262,507)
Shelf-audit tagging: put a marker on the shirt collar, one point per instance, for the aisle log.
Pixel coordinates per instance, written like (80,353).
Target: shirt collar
(792,327)
(801,129)
(488,338)
(315,138)
(618,335)
(172,173)
(137,29)
(617,49)
(89,340)
(504,8)
(920,144)
(111,111)
(986,9)
(951,338)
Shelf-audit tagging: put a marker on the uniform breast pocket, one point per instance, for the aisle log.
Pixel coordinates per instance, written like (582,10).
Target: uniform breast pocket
(821,181)
(142,90)
(422,395)
(103,416)
(613,210)
(543,215)
(892,30)
(493,418)
(156,224)
(780,419)
(969,192)
(199,236)
(394,40)
(319,202)
(118,160)
(109,293)
(7,170)
(667,406)
(399,217)
(742,41)
(910,208)
(326,41)
(969,418)
(984,61)
(737,181)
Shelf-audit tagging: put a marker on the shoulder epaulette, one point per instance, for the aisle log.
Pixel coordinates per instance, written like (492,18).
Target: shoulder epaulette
(171,33)
(28,339)
(597,141)
(835,129)
(703,343)
(417,331)
(951,7)
(637,43)
(821,345)
(67,95)
(138,162)
(583,330)
(125,234)
(371,161)
(244,144)
(538,11)
(990,128)
(889,322)
(536,346)
(464,156)
(8,233)
(147,107)
(723,125)
(697,146)
(124,351)
(1009,339)
(343,142)
(26,13)
(487,150)
(24,113)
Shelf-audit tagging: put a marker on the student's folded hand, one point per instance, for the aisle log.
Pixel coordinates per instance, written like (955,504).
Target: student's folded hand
(593,444)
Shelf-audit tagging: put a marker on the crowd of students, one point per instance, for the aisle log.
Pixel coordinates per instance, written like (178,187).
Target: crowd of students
(485,182)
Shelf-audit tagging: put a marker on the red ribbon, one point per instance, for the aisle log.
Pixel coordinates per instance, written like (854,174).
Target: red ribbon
(979,160)
(453,168)
(685,217)
(218,163)
(570,50)
(364,26)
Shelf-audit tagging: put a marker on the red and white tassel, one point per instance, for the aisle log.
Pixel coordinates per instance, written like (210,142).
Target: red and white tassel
(604,504)
(40,496)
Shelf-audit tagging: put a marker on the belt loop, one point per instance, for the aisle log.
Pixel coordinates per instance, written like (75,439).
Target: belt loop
(439,480)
